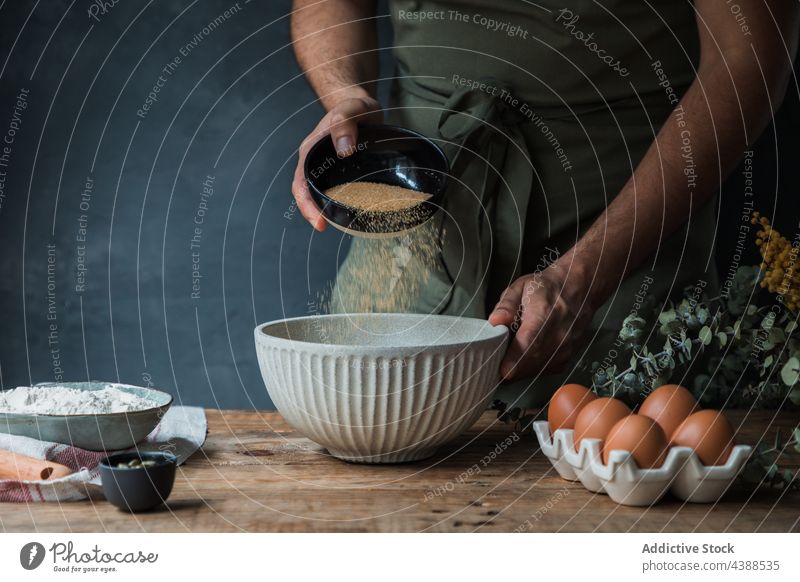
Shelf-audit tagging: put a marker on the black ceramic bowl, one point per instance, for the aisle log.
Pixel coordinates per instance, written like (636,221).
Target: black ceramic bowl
(138,488)
(385,154)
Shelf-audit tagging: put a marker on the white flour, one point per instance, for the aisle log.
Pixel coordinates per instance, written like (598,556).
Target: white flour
(64,400)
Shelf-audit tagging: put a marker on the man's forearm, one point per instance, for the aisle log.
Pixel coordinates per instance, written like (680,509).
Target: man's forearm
(723,111)
(335,42)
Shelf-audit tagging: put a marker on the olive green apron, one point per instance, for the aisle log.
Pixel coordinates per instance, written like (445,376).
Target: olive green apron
(544,113)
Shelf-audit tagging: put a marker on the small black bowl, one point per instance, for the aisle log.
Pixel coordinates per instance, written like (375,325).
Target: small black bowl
(138,488)
(385,154)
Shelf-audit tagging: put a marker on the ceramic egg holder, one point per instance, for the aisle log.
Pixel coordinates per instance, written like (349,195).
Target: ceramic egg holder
(625,483)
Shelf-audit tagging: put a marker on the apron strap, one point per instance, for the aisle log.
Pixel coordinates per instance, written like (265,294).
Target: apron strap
(483,124)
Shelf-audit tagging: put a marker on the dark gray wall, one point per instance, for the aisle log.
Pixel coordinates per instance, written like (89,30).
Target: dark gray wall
(234,108)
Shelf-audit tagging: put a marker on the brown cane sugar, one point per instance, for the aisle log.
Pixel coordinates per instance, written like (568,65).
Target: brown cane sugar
(385,275)
(376,197)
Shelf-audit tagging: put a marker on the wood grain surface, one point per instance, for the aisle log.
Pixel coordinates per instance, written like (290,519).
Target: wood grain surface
(255,473)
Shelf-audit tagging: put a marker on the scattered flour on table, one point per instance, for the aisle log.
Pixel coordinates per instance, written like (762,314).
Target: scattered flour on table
(64,400)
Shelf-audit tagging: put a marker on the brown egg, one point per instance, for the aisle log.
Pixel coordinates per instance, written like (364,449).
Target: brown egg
(642,437)
(597,418)
(709,433)
(565,405)
(669,406)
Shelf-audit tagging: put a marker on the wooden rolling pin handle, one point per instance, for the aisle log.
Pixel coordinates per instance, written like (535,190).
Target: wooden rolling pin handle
(20,467)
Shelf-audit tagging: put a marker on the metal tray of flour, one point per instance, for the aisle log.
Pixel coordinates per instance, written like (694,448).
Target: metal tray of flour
(95,432)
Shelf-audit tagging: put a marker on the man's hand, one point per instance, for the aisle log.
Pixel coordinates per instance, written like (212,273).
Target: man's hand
(553,312)
(336,45)
(548,314)
(341,123)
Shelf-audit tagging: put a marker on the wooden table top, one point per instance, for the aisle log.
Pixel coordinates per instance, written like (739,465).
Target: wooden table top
(255,473)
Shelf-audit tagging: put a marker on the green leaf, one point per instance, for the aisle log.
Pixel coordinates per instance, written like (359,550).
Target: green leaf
(635,321)
(765,345)
(705,335)
(667,316)
(670,327)
(633,362)
(791,371)
(768,361)
(665,362)
(794,396)
(723,339)
(777,335)
(790,327)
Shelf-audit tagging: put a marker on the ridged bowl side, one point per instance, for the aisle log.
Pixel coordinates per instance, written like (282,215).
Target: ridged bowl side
(373,409)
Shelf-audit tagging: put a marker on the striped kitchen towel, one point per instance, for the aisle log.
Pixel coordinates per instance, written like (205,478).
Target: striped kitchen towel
(181,432)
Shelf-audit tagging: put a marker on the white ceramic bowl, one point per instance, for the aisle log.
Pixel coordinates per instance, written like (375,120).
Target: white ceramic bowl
(380,388)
